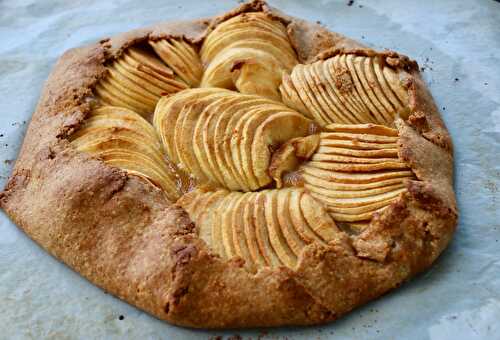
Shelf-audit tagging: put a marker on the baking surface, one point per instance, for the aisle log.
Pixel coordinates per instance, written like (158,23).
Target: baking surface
(456,43)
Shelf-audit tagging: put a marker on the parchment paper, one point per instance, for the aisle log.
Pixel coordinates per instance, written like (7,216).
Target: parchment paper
(458,45)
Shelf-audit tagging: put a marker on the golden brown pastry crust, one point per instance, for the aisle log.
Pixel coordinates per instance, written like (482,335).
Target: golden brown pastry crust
(123,235)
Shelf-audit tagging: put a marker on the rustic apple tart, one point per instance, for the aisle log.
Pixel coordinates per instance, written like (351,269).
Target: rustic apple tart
(251,169)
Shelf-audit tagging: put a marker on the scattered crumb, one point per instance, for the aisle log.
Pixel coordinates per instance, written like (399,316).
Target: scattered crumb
(235,337)
(350,2)
(1,134)
(318,22)
(485,83)
(444,108)
(360,6)
(456,79)
(121,317)
(8,161)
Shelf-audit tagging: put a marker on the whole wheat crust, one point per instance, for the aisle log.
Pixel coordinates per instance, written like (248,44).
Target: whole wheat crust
(123,235)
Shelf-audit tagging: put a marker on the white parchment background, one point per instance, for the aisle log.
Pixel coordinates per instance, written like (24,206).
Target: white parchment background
(458,44)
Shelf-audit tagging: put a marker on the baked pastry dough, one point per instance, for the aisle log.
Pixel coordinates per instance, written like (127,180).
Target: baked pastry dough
(246,170)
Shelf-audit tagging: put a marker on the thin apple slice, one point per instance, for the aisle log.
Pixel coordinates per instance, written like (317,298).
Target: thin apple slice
(344,83)
(238,228)
(262,234)
(335,186)
(333,75)
(226,210)
(293,239)
(354,178)
(275,130)
(290,96)
(317,217)
(277,240)
(242,144)
(334,111)
(303,229)
(369,101)
(202,148)
(250,230)
(386,89)
(371,83)
(181,57)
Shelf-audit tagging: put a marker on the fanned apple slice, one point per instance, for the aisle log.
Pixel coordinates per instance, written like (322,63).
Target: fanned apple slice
(258,73)
(223,132)
(249,53)
(276,237)
(238,228)
(330,185)
(345,167)
(295,242)
(305,93)
(393,153)
(354,178)
(290,96)
(184,135)
(371,84)
(167,111)
(369,102)
(303,229)
(347,89)
(242,27)
(357,145)
(359,176)
(360,137)
(226,210)
(318,218)
(204,218)
(335,110)
(123,138)
(376,65)
(234,133)
(324,104)
(358,201)
(275,130)
(333,77)
(393,78)
(250,230)
(136,80)
(286,56)
(262,234)
(242,144)
(183,143)
(288,157)
(203,146)
(249,70)
(202,207)
(192,201)
(181,57)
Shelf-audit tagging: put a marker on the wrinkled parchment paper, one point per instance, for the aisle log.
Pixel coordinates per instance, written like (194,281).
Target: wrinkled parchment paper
(458,45)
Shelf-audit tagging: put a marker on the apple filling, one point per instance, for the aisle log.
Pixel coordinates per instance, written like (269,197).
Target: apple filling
(266,155)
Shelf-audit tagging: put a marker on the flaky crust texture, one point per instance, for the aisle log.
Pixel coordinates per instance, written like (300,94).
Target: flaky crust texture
(123,235)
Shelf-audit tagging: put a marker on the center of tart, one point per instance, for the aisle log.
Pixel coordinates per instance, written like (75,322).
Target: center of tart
(266,155)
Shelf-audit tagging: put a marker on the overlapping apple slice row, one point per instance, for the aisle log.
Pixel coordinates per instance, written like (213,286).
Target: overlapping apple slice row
(124,139)
(137,80)
(181,57)
(248,52)
(347,89)
(356,171)
(224,137)
(266,228)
